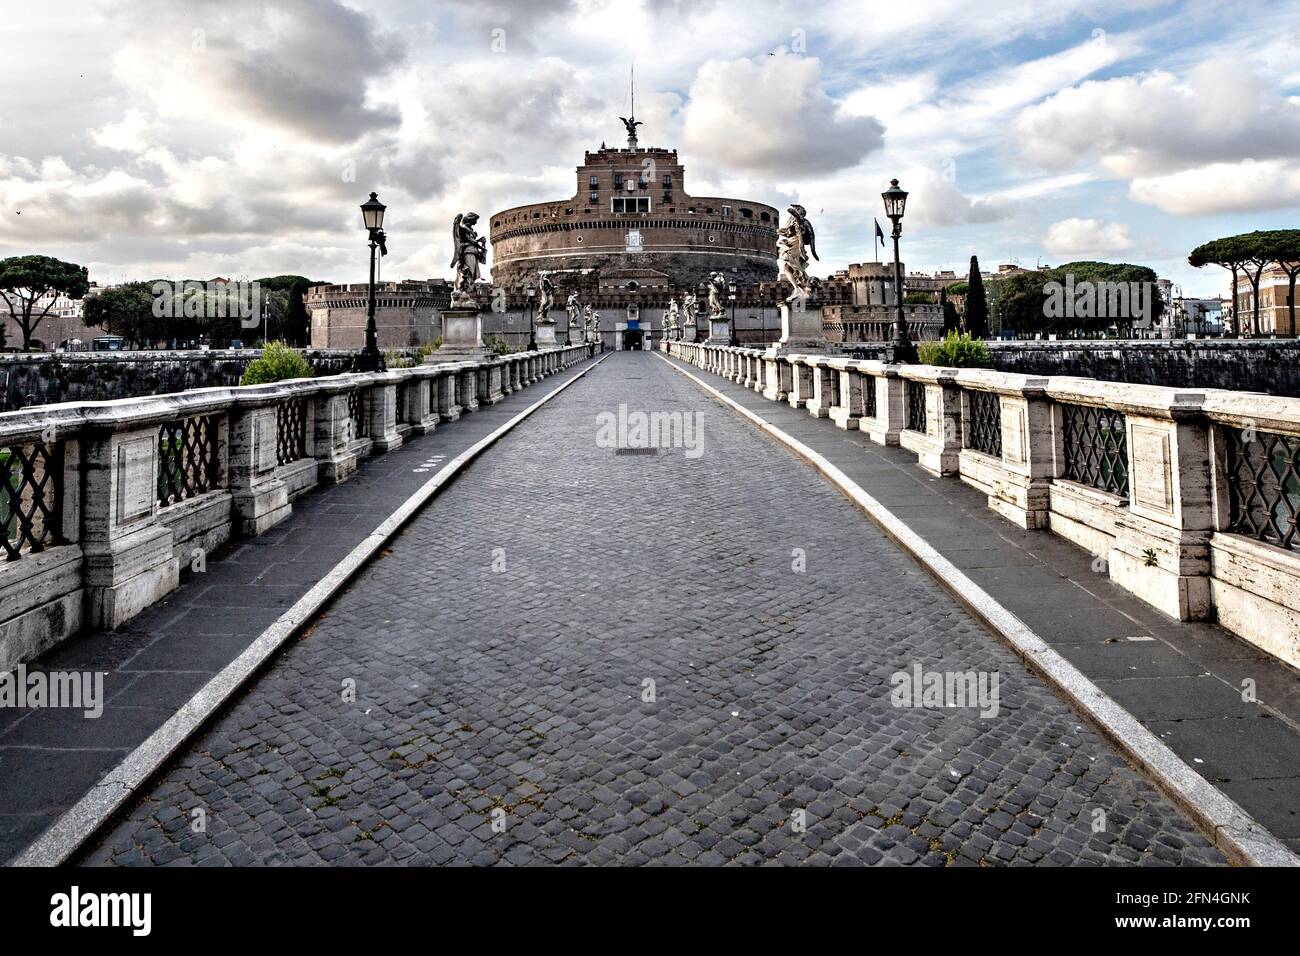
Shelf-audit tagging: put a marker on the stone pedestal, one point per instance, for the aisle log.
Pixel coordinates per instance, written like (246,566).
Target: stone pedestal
(801,329)
(1161,550)
(886,426)
(443,390)
(544,333)
(801,384)
(719,332)
(260,499)
(824,388)
(462,338)
(938,447)
(849,400)
(776,376)
(382,409)
(332,438)
(129,561)
(489,384)
(421,403)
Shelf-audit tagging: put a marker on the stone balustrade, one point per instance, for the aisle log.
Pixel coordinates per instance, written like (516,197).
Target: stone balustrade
(108,504)
(1187,498)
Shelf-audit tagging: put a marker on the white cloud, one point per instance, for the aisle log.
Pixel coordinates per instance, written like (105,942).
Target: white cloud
(1222,188)
(1086,239)
(1153,124)
(771,116)
(935,200)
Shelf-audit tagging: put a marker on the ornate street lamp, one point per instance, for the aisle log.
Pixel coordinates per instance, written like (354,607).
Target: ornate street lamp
(372,215)
(731,294)
(530,290)
(901,349)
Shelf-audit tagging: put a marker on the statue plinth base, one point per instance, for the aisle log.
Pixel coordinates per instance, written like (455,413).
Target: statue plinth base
(462,338)
(719,332)
(544,334)
(801,331)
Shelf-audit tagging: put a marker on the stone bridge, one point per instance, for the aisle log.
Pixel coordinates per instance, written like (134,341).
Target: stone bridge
(709,605)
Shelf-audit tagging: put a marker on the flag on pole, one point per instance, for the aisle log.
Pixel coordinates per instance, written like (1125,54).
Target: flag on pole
(880,237)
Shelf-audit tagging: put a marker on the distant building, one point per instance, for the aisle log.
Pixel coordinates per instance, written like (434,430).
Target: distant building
(1274,313)
(630,211)
(859,303)
(63,323)
(407,314)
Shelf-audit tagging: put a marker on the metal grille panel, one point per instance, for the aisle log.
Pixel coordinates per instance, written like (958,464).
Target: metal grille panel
(1264,485)
(1096,448)
(400,393)
(985,431)
(32,504)
(915,406)
(187,458)
(291,431)
(869,396)
(357,406)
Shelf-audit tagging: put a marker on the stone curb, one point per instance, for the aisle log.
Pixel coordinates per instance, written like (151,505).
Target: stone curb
(1229,827)
(81,822)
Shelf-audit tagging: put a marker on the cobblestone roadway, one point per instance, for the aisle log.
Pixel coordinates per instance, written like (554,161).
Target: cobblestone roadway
(521,690)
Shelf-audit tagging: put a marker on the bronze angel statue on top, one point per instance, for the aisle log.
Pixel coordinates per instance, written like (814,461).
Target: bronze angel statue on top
(469,253)
(630,124)
(795,240)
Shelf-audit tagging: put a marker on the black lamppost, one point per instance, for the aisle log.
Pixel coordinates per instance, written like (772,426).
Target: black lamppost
(731,294)
(901,349)
(530,291)
(699,312)
(372,214)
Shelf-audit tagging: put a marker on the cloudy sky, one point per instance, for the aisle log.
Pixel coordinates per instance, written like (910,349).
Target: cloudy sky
(193,138)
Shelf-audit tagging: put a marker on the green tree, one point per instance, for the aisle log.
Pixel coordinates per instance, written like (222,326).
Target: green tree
(277,363)
(289,306)
(951,321)
(125,310)
(956,350)
(1022,299)
(977,305)
(1250,253)
(25,280)
(1288,260)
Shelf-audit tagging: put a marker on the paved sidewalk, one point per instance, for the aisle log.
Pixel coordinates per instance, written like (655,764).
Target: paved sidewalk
(1181,680)
(154,663)
(501,655)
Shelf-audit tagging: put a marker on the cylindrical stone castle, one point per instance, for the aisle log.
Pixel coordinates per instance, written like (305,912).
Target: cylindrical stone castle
(631,211)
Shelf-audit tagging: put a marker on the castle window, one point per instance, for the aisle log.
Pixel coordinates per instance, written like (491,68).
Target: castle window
(668,181)
(726,212)
(668,196)
(618,180)
(765,217)
(594,182)
(595,197)
(746,213)
(630,204)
